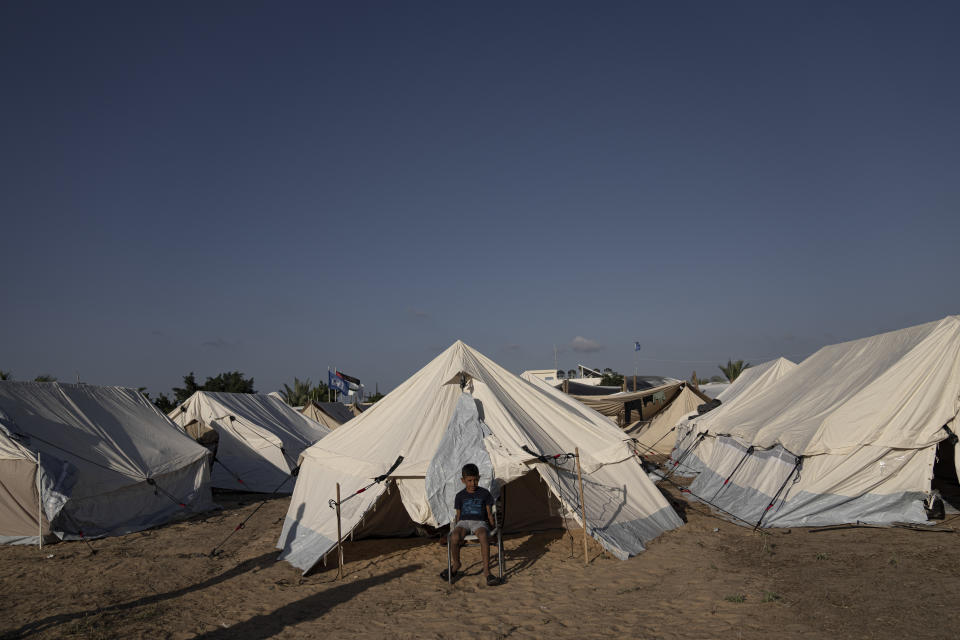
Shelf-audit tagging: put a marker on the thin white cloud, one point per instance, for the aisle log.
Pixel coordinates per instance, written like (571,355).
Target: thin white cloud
(585,345)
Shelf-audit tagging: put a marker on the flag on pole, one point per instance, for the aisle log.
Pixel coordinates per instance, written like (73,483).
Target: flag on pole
(636,346)
(335,381)
(349,379)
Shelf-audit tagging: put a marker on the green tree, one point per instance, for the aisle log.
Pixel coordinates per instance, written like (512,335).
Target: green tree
(571,374)
(230,382)
(304,392)
(46,377)
(375,397)
(161,402)
(6,375)
(611,378)
(733,369)
(165,404)
(190,386)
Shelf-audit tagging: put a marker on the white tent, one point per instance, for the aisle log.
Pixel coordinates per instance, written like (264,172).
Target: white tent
(258,437)
(655,436)
(849,435)
(752,382)
(756,378)
(624,509)
(329,414)
(87,461)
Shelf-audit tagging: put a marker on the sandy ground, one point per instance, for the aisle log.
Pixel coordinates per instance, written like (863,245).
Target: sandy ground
(709,579)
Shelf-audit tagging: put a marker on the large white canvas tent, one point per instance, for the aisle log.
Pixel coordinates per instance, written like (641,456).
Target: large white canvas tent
(257,438)
(756,378)
(751,382)
(435,426)
(654,436)
(88,461)
(850,435)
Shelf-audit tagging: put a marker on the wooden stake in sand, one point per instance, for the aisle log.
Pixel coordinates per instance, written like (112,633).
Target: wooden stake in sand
(339,539)
(583,507)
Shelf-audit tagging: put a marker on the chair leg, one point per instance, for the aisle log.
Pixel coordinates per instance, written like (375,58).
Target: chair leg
(500,553)
(449,561)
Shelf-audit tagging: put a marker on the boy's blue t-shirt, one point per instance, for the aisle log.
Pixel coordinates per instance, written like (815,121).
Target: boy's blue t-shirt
(472,506)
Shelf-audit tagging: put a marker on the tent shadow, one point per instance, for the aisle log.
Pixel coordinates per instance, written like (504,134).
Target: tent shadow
(310,608)
(530,551)
(260,562)
(679,505)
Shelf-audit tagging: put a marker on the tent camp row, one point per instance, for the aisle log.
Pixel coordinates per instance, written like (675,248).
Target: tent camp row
(85,461)
(851,434)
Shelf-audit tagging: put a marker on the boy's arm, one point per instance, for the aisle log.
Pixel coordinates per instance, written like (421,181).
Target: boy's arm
(456,516)
(490,516)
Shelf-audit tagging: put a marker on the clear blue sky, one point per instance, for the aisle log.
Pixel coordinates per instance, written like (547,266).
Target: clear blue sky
(282,187)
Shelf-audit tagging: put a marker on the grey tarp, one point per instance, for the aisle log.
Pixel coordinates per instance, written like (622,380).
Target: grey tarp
(461,444)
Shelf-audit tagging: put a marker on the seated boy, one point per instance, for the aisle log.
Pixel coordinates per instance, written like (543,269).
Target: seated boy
(472,515)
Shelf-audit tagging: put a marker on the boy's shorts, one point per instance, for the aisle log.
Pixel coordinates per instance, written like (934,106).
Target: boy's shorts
(472,525)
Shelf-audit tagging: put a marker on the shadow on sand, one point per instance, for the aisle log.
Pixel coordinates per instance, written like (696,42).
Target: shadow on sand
(260,562)
(310,608)
(531,550)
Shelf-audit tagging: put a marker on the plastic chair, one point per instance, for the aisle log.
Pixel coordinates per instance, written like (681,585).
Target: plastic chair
(497,510)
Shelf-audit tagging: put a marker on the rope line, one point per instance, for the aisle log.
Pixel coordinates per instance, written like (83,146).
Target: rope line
(796,469)
(735,469)
(332,503)
(686,453)
(229,470)
(213,552)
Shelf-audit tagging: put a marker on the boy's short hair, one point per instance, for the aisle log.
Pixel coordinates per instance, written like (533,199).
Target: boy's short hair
(470,470)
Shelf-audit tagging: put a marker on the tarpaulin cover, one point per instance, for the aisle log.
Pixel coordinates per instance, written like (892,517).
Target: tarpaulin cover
(461,444)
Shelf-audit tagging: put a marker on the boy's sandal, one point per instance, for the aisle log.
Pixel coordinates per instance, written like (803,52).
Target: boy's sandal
(492,580)
(445,576)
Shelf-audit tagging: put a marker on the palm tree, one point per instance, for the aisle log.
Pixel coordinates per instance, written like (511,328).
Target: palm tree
(733,369)
(45,378)
(303,392)
(6,375)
